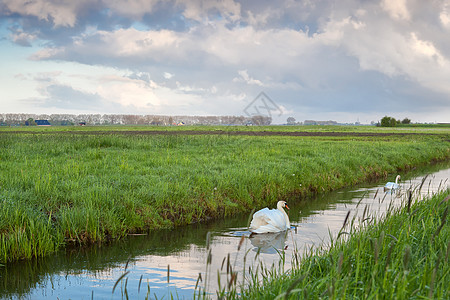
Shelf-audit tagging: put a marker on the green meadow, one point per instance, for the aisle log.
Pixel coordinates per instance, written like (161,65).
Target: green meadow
(65,185)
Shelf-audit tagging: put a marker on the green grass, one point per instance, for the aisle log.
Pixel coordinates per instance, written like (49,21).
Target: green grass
(402,256)
(59,188)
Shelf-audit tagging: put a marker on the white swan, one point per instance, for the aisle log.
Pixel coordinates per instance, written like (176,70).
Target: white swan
(391,186)
(270,220)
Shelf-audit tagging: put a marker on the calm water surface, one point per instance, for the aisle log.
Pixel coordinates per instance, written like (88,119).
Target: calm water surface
(182,253)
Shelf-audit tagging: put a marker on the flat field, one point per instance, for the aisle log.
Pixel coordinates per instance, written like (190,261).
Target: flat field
(62,185)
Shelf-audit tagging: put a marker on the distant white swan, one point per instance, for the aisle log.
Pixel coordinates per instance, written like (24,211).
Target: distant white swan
(270,220)
(392,186)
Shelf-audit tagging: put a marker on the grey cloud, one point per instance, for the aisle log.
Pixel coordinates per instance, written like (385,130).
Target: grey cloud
(382,96)
(22,40)
(59,23)
(321,55)
(144,76)
(63,96)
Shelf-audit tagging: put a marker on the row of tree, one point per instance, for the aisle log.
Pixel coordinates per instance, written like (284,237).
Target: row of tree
(392,122)
(117,119)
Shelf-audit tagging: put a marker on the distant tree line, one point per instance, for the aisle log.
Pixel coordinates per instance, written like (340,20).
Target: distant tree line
(119,119)
(392,122)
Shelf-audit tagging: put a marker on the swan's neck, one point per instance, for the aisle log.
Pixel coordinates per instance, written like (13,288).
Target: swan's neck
(396,179)
(286,217)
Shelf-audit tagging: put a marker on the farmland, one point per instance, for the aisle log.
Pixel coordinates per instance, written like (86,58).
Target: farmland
(60,186)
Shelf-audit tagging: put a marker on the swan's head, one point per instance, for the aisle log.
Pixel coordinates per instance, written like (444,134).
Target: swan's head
(397,178)
(282,204)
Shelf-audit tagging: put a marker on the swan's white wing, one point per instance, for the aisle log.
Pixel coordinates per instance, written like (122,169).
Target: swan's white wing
(391,186)
(260,218)
(268,220)
(388,185)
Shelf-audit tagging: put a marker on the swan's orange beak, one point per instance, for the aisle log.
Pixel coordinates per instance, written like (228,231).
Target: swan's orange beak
(286,206)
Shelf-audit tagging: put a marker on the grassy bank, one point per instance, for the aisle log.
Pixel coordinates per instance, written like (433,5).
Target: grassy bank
(59,188)
(403,256)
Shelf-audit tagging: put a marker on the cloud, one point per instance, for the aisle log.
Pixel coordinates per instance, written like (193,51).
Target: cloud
(400,54)
(444,16)
(56,93)
(22,38)
(70,13)
(201,10)
(168,75)
(60,13)
(244,77)
(133,9)
(396,9)
(309,56)
(129,92)
(61,96)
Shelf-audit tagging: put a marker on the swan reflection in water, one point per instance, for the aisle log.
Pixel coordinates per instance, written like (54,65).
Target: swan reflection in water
(269,242)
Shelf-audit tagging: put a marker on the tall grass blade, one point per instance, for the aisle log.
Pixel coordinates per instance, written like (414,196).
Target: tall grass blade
(168,273)
(139,286)
(118,280)
(443,220)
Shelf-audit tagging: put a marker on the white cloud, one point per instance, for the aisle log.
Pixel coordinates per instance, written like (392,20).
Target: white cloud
(168,75)
(60,13)
(244,77)
(310,56)
(66,13)
(200,10)
(134,9)
(444,16)
(129,92)
(47,53)
(397,9)
(128,42)
(23,38)
(382,47)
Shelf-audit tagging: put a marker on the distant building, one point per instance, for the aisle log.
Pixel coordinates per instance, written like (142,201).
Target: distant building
(42,123)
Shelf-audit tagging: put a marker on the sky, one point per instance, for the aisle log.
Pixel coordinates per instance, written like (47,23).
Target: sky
(343,60)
